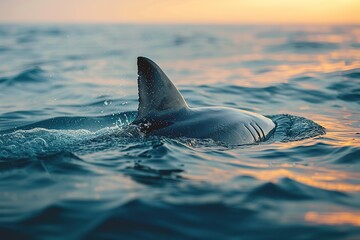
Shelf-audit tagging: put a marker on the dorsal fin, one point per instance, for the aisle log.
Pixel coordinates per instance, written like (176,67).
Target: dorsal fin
(156,92)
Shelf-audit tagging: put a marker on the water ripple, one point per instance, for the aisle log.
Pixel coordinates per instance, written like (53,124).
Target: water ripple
(71,166)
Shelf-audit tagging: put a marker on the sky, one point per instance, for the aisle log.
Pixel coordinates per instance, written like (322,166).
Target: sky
(182,11)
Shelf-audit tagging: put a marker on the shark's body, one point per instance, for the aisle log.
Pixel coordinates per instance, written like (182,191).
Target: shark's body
(163,112)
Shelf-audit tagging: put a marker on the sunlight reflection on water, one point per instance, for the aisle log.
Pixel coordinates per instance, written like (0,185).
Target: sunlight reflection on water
(101,182)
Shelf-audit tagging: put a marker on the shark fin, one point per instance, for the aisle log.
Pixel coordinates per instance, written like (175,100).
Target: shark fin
(156,92)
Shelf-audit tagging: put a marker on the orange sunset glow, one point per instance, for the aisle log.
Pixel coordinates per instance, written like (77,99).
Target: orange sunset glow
(175,11)
(336,218)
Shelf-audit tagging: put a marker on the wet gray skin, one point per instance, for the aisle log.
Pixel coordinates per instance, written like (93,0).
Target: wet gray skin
(163,111)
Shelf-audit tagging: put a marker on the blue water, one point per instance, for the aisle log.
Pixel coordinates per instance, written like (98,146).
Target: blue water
(72,167)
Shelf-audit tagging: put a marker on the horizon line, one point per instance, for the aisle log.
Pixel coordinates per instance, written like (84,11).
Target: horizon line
(177,23)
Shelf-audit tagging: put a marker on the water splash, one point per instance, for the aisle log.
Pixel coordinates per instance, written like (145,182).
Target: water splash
(40,141)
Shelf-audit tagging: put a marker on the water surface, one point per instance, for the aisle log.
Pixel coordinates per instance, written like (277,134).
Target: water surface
(78,171)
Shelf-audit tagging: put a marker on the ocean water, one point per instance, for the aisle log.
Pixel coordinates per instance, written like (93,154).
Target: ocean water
(71,166)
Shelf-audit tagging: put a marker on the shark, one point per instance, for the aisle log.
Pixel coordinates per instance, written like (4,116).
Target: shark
(163,111)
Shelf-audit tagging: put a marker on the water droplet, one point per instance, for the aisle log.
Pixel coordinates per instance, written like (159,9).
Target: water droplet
(107,102)
(119,123)
(126,119)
